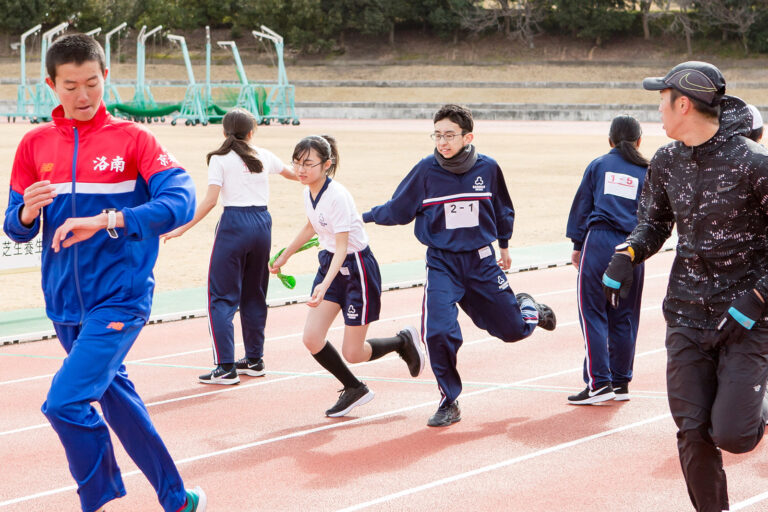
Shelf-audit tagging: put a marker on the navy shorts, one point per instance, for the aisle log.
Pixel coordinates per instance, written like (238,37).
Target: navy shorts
(356,288)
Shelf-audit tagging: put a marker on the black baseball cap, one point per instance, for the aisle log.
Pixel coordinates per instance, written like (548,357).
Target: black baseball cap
(699,80)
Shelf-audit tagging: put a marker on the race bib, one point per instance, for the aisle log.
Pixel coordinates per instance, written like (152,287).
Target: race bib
(622,185)
(462,214)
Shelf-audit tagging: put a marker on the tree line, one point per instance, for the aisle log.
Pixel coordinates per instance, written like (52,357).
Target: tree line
(324,25)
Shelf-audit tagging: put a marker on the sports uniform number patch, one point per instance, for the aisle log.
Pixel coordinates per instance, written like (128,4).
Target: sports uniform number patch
(462,214)
(622,185)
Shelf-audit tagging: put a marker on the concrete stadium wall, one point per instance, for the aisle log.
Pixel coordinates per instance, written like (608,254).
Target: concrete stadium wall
(499,111)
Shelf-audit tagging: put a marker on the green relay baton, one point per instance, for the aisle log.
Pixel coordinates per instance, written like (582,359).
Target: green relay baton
(290,281)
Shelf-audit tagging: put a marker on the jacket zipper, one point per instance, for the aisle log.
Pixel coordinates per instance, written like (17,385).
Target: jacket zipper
(74,214)
(698,216)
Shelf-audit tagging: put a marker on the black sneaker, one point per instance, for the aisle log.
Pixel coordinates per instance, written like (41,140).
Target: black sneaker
(547,319)
(445,415)
(247,366)
(412,352)
(622,392)
(220,376)
(349,399)
(588,396)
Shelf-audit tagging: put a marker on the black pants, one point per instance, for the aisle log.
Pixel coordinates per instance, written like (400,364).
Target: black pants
(715,397)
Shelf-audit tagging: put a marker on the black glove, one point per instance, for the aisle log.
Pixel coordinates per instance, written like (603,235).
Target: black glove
(618,277)
(740,317)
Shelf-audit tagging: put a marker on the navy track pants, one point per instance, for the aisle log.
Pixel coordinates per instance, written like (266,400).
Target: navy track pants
(238,276)
(479,286)
(610,334)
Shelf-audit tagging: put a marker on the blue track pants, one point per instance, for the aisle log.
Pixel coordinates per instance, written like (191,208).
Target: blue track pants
(609,334)
(479,286)
(239,276)
(93,371)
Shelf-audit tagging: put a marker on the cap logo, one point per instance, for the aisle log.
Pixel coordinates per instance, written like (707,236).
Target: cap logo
(685,84)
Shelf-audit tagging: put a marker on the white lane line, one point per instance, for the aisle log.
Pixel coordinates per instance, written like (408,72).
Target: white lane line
(310,431)
(502,464)
(231,389)
(27,379)
(293,335)
(302,433)
(573,290)
(42,494)
(190,352)
(751,501)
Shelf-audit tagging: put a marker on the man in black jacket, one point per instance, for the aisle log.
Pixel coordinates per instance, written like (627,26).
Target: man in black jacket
(712,182)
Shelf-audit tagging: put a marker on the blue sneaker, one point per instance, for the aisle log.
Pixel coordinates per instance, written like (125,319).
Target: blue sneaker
(196,501)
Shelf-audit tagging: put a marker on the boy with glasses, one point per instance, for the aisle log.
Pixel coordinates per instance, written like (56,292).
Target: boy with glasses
(461,205)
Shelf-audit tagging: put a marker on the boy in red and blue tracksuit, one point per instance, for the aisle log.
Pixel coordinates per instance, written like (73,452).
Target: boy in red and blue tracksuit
(461,206)
(106,190)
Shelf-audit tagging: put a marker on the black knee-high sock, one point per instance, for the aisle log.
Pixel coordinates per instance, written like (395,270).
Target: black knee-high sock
(382,346)
(330,359)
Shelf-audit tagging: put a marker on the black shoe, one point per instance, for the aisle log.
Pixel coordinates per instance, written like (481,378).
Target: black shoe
(220,376)
(547,319)
(412,352)
(349,399)
(445,415)
(622,392)
(247,366)
(588,396)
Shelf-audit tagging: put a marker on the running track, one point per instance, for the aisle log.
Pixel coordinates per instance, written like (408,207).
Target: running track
(266,445)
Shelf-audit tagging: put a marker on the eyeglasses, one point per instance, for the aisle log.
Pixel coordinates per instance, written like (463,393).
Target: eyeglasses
(447,137)
(299,165)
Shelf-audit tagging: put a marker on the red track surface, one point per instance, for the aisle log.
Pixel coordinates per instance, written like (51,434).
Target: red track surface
(266,445)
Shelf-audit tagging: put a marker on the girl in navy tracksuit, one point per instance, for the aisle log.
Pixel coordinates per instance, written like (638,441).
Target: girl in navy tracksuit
(603,213)
(238,273)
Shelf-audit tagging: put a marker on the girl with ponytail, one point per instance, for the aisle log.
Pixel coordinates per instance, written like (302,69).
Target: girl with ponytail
(348,280)
(238,272)
(603,214)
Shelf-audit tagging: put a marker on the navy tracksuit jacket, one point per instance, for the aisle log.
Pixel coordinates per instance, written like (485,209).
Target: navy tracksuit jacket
(457,218)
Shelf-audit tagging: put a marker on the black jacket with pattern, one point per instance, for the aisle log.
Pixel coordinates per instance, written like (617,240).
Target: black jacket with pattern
(717,195)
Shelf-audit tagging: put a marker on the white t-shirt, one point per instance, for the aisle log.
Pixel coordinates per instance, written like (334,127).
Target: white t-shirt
(334,211)
(239,186)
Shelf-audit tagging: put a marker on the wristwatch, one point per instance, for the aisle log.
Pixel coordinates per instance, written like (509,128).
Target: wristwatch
(111,221)
(626,247)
